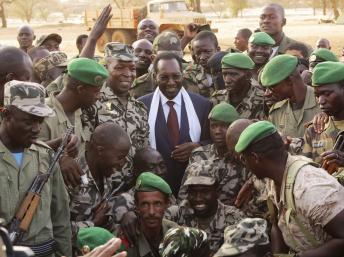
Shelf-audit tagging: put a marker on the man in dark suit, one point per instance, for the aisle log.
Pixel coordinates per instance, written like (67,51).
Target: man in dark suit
(178,119)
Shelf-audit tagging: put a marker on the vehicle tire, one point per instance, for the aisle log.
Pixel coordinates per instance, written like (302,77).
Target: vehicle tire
(122,36)
(105,38)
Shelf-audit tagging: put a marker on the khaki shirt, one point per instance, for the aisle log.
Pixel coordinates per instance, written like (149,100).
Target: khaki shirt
(143,249)
(55,127)
(291,122)
(286,41)
(51,219)
(315,212)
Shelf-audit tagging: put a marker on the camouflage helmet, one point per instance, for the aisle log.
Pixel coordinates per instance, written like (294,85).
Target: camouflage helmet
(201,173)
(242,237)
(54,59)
(119,51)
(44,38)
(184,242)
(28,97)
(167,42)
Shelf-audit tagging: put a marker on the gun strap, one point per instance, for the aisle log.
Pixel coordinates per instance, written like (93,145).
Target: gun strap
(43,249)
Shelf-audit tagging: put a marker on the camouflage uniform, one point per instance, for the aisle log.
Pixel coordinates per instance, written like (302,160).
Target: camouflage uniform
(230,175)
(225,216)
(251,107)
(247,234)
(57,85)
(316,144)
(51,220)
(196,74)
(54,59)
(184,241)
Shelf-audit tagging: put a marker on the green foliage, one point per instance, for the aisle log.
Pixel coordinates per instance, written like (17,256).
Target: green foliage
(236,6)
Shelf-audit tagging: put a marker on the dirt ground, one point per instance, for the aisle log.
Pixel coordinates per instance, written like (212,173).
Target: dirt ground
(307,31)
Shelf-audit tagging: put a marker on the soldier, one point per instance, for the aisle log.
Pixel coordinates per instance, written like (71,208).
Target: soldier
(24,157)
(165,41)
(215,157)
(50,67)
(204,46)
(259,49)
(144,56)
(214,63)
(328,82)
(297,104)
(241,39)
(272,20)
(80,42)
(147,29)
(249,238)
(308,224)
(318,56)
(203,210)
(247,100)
(124,110)
(51,42)
(85,78)
(151,201)
(90,202)
(25,38)
(323,43)
(186,242)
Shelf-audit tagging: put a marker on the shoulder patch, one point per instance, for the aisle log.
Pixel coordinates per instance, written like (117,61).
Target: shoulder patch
(40,144)
(277,105)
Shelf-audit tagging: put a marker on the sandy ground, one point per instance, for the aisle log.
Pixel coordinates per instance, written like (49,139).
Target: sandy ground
(308,31)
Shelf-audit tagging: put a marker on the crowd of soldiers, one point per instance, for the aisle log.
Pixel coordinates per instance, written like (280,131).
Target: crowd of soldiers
(236,153)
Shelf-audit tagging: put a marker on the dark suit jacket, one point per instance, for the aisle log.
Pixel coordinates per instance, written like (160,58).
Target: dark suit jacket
(175,169)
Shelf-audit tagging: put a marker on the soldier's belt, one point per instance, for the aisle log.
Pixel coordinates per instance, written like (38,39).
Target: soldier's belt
(43,249)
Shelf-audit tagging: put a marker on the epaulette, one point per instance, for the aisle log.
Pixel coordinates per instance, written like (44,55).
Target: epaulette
(38,144)
(219,92)
(140,80)
(277,105)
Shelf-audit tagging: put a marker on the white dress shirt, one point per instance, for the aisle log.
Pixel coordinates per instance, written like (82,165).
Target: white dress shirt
(177,105)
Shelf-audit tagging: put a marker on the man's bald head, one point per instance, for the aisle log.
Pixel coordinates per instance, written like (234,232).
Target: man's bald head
(272,19)
(25,37)
(278,8)
(37,53)
(234,131)
(142,41)
(323,43)
(17,66)
(148,29)
(109,134)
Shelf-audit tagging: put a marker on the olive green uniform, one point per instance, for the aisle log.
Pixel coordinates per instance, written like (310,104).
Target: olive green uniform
(51,220)
(291,122)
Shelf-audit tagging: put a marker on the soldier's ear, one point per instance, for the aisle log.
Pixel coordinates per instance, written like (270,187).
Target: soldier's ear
(153,57)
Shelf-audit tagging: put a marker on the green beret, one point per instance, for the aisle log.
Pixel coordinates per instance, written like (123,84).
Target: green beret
(322,55)
(327,73)
(253,133)
(278,69)
(92,237)
(237,60)
(261,38)
(87,71)
(223,112)
(149,182)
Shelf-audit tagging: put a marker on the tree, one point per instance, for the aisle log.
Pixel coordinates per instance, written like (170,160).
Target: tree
(335,9)
(237,6)
(3,13)
(24,8)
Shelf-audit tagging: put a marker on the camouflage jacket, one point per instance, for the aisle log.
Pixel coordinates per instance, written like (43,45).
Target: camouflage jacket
(133,118)
(57,85)
(228,173)
(251,107)
(145,85)
(225,216)
(316,144)
(84,198)
(196,74)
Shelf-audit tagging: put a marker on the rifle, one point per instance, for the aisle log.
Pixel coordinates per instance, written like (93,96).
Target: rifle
(21,221)
(338,145)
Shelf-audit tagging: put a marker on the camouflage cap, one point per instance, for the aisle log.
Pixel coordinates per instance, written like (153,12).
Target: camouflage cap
(200,173)
(185,242)
(167,41)
(44,38)
(119,51)
(54,59)
(28,97)
(240,238)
